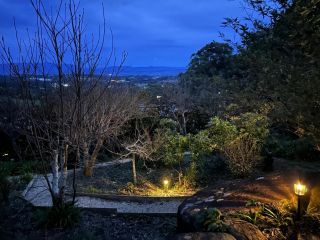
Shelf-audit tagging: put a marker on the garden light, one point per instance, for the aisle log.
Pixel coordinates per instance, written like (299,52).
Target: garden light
(166,184)
(300,190)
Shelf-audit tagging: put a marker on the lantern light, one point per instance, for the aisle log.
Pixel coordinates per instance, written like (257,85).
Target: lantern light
(165,182)
(300,189)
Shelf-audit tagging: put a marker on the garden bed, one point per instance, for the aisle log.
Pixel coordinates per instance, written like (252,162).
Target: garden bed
(116,180)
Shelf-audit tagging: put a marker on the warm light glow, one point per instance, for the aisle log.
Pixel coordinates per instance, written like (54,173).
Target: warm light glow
(300,189)
(165,182)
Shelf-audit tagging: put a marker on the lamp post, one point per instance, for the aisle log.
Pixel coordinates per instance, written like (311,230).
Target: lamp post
(300,190)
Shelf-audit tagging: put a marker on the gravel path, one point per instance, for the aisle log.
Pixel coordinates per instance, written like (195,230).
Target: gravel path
(37,194)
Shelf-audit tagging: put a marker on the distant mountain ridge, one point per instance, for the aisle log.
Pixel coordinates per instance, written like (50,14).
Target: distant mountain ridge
(124,71)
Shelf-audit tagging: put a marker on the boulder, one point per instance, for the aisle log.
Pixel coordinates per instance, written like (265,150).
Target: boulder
(203,236)
(243,230)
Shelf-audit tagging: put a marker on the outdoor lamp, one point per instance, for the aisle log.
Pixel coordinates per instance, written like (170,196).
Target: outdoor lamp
(166,183)
(300,190)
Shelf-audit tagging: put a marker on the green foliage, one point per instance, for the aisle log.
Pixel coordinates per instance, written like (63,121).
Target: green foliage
(212,220)
(191,175)
(174,147)
(279,217)
(276,63)
(299,149)
(254,124)
(251,216)
(221,132)
(200,145)
(168,124)
(240,139)
(59,216)
(213,59)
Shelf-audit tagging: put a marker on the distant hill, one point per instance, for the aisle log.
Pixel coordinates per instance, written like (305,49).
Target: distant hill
(151,71)
(125,70)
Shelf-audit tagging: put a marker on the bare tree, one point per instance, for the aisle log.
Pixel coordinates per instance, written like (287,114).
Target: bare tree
(179,105)
(57,109)
(144,144)
(105,120)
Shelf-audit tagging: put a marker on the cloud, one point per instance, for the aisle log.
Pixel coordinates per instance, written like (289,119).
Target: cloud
(162,32)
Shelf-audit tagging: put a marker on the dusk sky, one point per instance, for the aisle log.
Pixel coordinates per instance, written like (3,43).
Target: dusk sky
(153,33)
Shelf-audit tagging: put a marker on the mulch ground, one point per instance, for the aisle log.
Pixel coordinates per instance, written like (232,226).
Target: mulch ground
(111,179)
(18,222)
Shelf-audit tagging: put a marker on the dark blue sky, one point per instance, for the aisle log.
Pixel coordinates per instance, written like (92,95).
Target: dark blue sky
(152,32)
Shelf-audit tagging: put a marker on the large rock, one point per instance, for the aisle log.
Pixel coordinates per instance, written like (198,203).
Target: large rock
(203,236)
(228,195)
(243,230)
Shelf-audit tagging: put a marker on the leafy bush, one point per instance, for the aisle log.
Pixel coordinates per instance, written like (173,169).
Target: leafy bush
(241,140)
(168,124)
(221,132)
(254,125)
(191,176)
(60,216)
(209,167)
(201,145)
(172,151)
(300,148)
(174,147)
(212,220)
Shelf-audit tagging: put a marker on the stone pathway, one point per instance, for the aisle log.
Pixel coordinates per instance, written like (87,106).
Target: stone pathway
(37,194)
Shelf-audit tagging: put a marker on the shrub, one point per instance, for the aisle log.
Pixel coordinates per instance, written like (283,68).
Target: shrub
(168,124)
(172,151)
(201,145)
(243,155)
(221,132)
(253,124)
(212,220)
(59,216)
(240,139)
(191,175)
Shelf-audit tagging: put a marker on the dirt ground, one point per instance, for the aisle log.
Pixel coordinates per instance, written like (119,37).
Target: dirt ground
(113,179)
(18,221)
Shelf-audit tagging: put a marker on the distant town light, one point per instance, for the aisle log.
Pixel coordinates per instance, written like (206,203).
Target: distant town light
(5,154)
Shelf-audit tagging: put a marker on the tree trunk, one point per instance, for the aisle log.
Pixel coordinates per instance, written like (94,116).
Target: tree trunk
(64,171)
(86,160)
(184,124)
(134,171)
(89,164)
(55,172)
